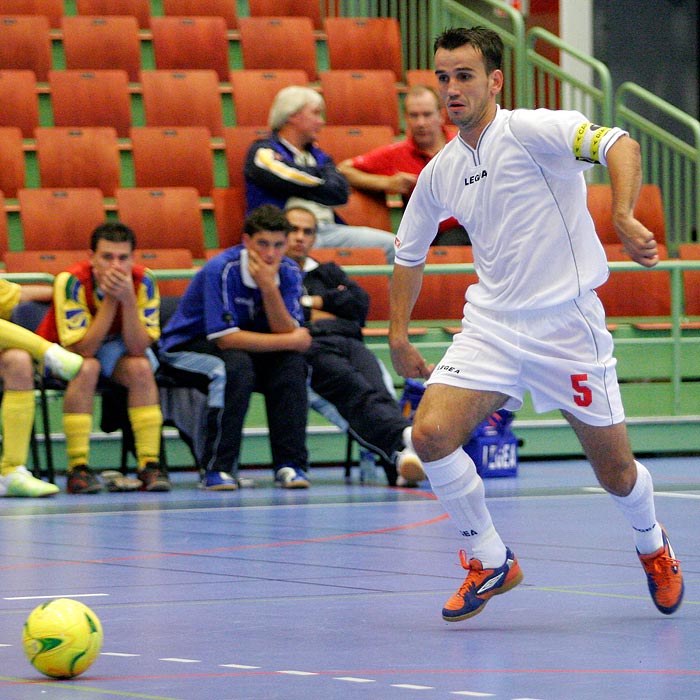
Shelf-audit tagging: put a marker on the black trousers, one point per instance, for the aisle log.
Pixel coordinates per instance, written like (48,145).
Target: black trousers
(346,373)
(281,378)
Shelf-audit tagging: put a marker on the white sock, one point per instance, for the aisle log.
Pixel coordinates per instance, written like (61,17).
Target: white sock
(460,490)
(638,508)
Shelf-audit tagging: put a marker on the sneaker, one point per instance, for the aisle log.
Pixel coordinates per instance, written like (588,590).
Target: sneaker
(480,585)
(81,479)
(291,477)
(23,484)
(664,576)
(154,478)
(117,482)
(408,464)
(62,363)
(218,481)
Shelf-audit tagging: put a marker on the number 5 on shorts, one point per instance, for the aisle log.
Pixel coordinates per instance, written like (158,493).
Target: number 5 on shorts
(583,395)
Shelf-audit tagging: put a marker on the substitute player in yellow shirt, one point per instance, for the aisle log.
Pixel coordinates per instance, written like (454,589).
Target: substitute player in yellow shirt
(19,350)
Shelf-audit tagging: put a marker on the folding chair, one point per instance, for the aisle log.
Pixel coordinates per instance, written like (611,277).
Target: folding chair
(229,214)
(140,9)
(12,166)
(49,261)
(377,286)
(367,97)
(646,293)
(237,141)
(364,43)
(254,91)
(421,76)
(691,278)
(166,259)
(182,98)
(25,44)
(168,217)
(366,208)
(188,43)
(442,296)
(173,157)
(51,9)
(102,43)
(82,98)
(649,210)
(288,8)
(19,101)
(79,157)
(293,35)
(204,8)
(343,142)
(60,218)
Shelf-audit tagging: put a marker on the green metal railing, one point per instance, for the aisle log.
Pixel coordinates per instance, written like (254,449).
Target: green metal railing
(548,85)
(668,161)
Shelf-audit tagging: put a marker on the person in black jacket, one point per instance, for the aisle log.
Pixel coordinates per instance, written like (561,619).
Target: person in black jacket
(343,370)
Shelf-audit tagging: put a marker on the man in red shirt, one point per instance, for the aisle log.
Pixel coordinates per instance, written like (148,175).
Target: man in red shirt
(394,168)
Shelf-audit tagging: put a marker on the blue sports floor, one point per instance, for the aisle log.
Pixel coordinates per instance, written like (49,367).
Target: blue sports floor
(336,593)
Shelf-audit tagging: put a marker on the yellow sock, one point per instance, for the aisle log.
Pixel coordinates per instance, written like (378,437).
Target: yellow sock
(146,422)
(17,411)
(77,427)
(14,336)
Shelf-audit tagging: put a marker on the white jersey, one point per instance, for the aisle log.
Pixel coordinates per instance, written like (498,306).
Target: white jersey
(521,196)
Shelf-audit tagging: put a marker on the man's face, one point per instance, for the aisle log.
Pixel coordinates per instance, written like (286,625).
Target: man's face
(109,255)
(467,90)
(424,119)
(269,245)
(308,121)
(303,236)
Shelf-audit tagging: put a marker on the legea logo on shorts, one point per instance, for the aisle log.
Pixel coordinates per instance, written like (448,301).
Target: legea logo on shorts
(446,368)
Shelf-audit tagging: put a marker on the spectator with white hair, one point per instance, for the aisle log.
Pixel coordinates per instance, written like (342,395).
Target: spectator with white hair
(287,168)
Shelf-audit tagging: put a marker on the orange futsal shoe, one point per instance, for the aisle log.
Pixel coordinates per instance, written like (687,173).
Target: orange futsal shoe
(664,577)
(480,585)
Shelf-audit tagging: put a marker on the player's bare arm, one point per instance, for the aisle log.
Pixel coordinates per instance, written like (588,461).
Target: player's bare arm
(625,168)
(405,287)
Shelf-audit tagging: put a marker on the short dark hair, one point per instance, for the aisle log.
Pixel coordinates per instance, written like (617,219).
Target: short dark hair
(485,40)
(113,231)
(266,218)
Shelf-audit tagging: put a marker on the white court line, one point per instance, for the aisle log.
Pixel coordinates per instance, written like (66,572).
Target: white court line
(350,679)
(241,666)
(407,686)
(182,661)
(116,653)
(50,597)
(472,694)
(298,673)
(677,494)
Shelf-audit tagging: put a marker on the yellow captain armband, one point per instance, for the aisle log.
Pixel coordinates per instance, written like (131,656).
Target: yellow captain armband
(587,141)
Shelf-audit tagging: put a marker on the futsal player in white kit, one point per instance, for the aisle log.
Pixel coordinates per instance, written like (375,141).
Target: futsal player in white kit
(514,180)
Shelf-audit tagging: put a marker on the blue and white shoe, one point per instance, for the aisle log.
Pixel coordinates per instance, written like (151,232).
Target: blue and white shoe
(218,481)
(289,476)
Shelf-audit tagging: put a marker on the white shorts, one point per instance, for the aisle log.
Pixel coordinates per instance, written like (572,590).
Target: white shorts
(562,355)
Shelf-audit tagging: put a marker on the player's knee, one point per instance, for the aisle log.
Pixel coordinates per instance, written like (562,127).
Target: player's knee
(137,371)
(18,366)
(429,442)
(89,372)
